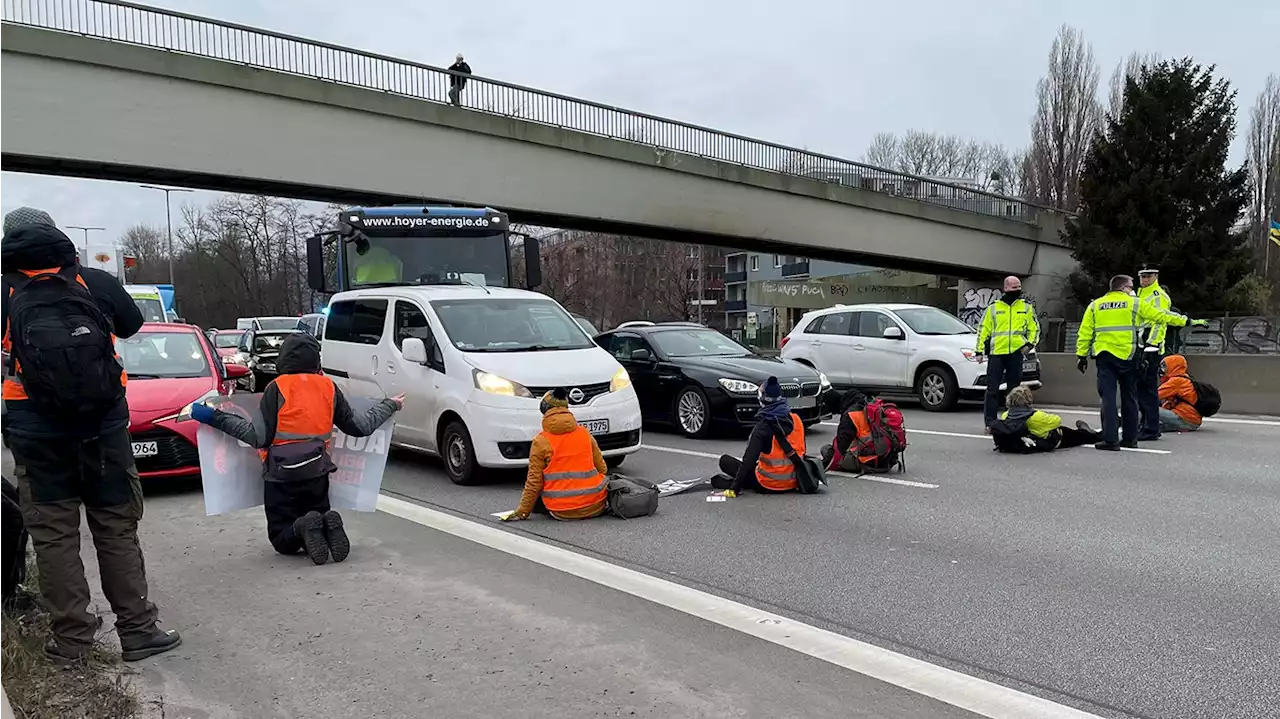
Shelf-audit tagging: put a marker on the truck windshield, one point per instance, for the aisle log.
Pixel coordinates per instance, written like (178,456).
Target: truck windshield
(509,325)
(429,260)
(152,309)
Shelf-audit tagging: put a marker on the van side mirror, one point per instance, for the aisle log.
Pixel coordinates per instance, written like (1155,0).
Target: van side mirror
(894,333)
(315,263)
(532,263)
(414,350)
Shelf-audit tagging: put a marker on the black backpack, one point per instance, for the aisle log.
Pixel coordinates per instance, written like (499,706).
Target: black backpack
(1208,400)
(62,343)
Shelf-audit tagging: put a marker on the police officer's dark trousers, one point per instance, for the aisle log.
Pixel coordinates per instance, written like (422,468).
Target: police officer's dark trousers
(1117,388)
(1149,394)
(1000,368)
(285,502)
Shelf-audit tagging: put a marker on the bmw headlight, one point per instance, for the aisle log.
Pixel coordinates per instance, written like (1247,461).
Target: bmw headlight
(621,380)
(493,384)
(738,386)
(822,377)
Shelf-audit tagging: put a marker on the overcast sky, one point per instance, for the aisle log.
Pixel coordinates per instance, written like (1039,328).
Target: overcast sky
(821,74)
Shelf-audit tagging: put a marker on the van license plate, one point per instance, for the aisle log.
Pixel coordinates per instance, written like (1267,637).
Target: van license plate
(146,449)
(596,426)
(1029,367)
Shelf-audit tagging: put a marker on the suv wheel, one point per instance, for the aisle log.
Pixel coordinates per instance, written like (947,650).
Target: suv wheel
(937,389)
(458,454)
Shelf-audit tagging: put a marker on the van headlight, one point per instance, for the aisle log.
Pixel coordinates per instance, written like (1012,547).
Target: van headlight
(493,384)
(739,386)
(621,380)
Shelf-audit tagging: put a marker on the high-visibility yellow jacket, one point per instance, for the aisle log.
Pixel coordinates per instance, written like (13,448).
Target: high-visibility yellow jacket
(1112,323)
(377,265)
(1156,296)
(1009,327)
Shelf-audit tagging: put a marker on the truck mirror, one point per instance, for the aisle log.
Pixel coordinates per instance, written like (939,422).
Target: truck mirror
(532,263)
(315,263)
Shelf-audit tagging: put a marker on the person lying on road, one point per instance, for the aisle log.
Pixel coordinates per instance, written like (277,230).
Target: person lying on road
(567,474)
(300,408)
(764,466)
(1023,429)
(1177,397)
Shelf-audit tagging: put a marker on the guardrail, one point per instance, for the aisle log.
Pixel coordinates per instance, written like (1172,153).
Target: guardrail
(179,32)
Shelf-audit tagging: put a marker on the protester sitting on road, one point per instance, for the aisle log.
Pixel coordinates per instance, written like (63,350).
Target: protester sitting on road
(765,466)
(1023,429)
(1177,397)
(299,409)
(567,474)
(67,423)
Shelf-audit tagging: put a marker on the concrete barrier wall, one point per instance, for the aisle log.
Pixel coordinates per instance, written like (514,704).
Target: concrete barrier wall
(1250,384)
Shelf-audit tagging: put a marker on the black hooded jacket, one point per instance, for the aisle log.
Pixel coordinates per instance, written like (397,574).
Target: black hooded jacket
(300,354)
(39,247)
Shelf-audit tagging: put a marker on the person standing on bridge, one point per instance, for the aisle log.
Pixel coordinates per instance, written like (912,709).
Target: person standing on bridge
(1109,332)
(1152,351)
(67,424)
(458,81)
(1008,332)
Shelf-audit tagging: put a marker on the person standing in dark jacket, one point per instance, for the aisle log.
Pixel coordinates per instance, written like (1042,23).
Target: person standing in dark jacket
(459,81)
(62,464)
(299,409)
(764,466)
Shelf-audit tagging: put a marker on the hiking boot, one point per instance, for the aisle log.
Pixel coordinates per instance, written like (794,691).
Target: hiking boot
(310,529)
(1083,426)
(158,641)
(63,657)
(1107,446)
(339,545)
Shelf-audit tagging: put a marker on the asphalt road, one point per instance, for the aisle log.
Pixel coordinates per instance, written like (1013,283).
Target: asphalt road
(1127,584)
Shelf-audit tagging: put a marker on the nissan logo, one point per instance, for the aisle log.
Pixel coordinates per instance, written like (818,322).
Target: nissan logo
(576,395)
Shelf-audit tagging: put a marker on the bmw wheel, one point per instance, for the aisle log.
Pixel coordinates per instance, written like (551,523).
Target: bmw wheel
(458,454)
(937,389)
(693,412)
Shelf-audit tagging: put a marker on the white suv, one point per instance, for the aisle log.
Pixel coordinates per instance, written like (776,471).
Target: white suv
(896,349)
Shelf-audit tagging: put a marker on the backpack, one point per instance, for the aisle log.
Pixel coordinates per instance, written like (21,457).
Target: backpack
(631,497)
(1208,400)
(1013,438)
(62,342)
(887,439)
(15,543)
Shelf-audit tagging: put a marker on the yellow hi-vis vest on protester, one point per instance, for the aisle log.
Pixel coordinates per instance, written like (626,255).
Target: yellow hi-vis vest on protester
(1009,327)
(1155,296)
(1112,322)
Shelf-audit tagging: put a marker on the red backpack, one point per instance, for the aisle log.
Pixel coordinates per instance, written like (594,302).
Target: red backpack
(888,437)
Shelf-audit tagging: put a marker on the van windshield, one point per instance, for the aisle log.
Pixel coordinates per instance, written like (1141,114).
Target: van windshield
(493,324)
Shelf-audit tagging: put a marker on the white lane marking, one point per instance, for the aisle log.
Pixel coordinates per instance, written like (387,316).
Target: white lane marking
(882,480)
(979,696)
(1142,450)
(1213,420)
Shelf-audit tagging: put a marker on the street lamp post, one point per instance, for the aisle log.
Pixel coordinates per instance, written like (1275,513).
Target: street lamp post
(86,230)
(168,218)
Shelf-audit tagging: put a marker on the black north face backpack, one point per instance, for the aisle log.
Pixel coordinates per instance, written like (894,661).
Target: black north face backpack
(61,342)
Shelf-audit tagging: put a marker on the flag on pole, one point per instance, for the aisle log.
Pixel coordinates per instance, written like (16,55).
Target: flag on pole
(1275,232)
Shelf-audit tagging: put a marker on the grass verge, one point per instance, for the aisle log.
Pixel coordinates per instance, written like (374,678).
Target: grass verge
(38,689)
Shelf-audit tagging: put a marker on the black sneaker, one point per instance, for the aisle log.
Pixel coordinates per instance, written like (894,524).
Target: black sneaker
(1148,437)
(1107,446)
(310,529)
(1131,444)
(721,481)
(1083,426)
(339,545)
(158,641)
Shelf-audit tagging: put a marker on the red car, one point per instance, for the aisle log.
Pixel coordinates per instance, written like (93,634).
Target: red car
(227,343)
(170,366)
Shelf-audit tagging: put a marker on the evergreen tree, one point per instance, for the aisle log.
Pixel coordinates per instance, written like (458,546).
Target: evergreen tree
(1156,188)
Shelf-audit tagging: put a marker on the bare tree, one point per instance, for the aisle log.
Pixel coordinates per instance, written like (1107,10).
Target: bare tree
(883,151)
(1264,171)
(1067,116)
(987,165)
(1125,71)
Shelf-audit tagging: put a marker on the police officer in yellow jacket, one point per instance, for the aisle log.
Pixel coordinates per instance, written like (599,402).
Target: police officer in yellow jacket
(1009,331)
(1109,332)
(1153,335)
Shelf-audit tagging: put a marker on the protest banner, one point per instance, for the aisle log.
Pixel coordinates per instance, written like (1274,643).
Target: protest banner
(232,471)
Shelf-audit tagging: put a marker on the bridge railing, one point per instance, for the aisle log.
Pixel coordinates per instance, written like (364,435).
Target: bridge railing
(179,32)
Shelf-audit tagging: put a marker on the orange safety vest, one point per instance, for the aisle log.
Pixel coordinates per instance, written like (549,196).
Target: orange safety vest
(859,418)
(306,409)
(774,470)
(571,480)
(12,388)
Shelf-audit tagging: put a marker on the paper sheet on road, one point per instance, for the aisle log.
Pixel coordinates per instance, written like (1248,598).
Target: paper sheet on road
(668,487)
(232,472)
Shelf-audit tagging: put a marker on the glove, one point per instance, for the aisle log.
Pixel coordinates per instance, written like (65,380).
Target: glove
(514,517)
(1199,323)
(1083,365)
(203,413)
(729,494)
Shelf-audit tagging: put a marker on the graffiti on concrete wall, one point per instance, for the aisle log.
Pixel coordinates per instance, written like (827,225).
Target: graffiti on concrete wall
(974,304)
(1225,335)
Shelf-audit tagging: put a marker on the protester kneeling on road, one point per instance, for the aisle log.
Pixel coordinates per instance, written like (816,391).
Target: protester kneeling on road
(765,466)
(1023,429)
(1178,397)
(299,409)
(567,473)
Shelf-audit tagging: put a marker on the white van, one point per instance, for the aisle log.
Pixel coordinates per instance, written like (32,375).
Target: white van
(474,363)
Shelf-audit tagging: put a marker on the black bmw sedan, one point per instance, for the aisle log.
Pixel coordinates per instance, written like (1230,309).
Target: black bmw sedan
(696,378)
